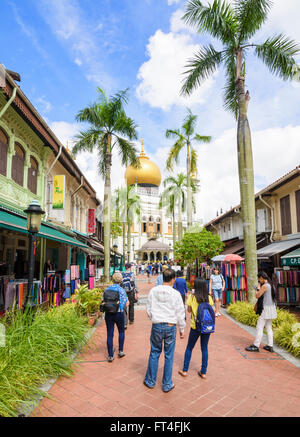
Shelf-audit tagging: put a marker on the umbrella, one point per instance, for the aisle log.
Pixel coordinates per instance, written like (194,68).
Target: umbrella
(218,258)
(232,257)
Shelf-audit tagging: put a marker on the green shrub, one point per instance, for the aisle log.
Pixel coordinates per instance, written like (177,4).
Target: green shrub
(282,325)
(38,346)
(88,301)
(243,312)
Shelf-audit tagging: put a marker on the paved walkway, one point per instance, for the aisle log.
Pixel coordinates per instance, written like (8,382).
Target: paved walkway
(238,384)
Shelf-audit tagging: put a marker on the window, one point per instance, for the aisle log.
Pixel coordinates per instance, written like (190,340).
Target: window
(18,161)
(32,175)
(297,197)
(3,152)
(144,227)
(169,228)
(285,211)
(158,227)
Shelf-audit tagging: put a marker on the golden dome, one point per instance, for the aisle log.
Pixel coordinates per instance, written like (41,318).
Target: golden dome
(147,175)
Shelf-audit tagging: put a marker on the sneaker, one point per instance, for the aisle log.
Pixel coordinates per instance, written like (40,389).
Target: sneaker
(252,348)
(268,348)
(121,354)
(110,359)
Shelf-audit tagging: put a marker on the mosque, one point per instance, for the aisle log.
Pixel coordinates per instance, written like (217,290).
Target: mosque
(152,233)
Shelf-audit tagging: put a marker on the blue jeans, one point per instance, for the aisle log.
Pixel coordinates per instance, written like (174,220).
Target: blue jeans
(193,337)
(111,320)
(161,335)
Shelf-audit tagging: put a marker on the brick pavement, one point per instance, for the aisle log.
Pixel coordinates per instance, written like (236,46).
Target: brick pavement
(238,384)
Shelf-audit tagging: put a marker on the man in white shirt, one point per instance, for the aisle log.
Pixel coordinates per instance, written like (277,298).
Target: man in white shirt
(165,309)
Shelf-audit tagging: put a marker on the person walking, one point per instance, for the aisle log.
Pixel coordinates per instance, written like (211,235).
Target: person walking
(266,309)
(200,295)
(181,285)
(114,314)
(216,287)
(159,280)
(130,286)
(143,268)
(149,269)
(165,310)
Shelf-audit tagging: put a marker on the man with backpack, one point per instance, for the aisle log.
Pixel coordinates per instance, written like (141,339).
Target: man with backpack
(165,309)
(113,303)
(129,285)
(217,286)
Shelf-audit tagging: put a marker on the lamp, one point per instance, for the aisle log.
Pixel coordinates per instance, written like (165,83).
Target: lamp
(34,217)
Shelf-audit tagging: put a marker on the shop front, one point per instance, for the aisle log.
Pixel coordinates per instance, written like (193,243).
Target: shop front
(52,258)
(282,267)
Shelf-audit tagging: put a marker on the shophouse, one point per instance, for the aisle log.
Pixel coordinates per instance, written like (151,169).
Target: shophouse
(34,164)
(277,230)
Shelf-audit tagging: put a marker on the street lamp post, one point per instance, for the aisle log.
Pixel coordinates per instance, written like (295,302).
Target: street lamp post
(34,217)
(115,248)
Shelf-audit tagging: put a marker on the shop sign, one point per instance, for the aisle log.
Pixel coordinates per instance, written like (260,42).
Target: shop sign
(58,196)
(92,221)
(294,261)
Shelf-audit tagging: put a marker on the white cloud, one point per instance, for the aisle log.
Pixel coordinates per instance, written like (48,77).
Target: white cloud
(177,24)
(66,20)
(173,2)
(161,77)
(218,172)
(44,105)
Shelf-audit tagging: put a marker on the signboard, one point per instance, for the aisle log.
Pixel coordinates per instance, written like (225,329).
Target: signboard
(92,221)
(58,194)
(292,262)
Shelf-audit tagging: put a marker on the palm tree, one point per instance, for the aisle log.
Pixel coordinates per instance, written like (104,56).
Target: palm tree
(185,137)
(109,128)
(174,196)
(127,206)
(133,209)
(234,25)
(167,200)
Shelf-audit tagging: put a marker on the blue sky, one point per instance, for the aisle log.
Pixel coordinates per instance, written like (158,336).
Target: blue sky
(64,49)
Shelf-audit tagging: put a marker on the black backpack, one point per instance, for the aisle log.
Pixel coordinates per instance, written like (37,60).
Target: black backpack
(112,301)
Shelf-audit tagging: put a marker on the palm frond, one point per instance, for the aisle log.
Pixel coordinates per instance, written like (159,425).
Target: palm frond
(217,19)
(194,159)
(202,138)
(251,14)
(278,53)
(230,98)
(128,152)
(189,123)
(174,153)
(86,141)
(200,68)
(172,133)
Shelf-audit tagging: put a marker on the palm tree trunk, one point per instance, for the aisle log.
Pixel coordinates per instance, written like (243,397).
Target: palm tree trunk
(174,229)
(128,240)
(179,219)
(189,189)
(246,179)
(107,212)
(124,242)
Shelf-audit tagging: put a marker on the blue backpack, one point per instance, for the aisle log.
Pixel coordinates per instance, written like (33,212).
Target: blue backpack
(205,320)
(127,282)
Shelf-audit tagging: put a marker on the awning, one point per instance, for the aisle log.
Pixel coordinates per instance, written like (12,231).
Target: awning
(278,247)
(234,248)
(18,223)
(291,259)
